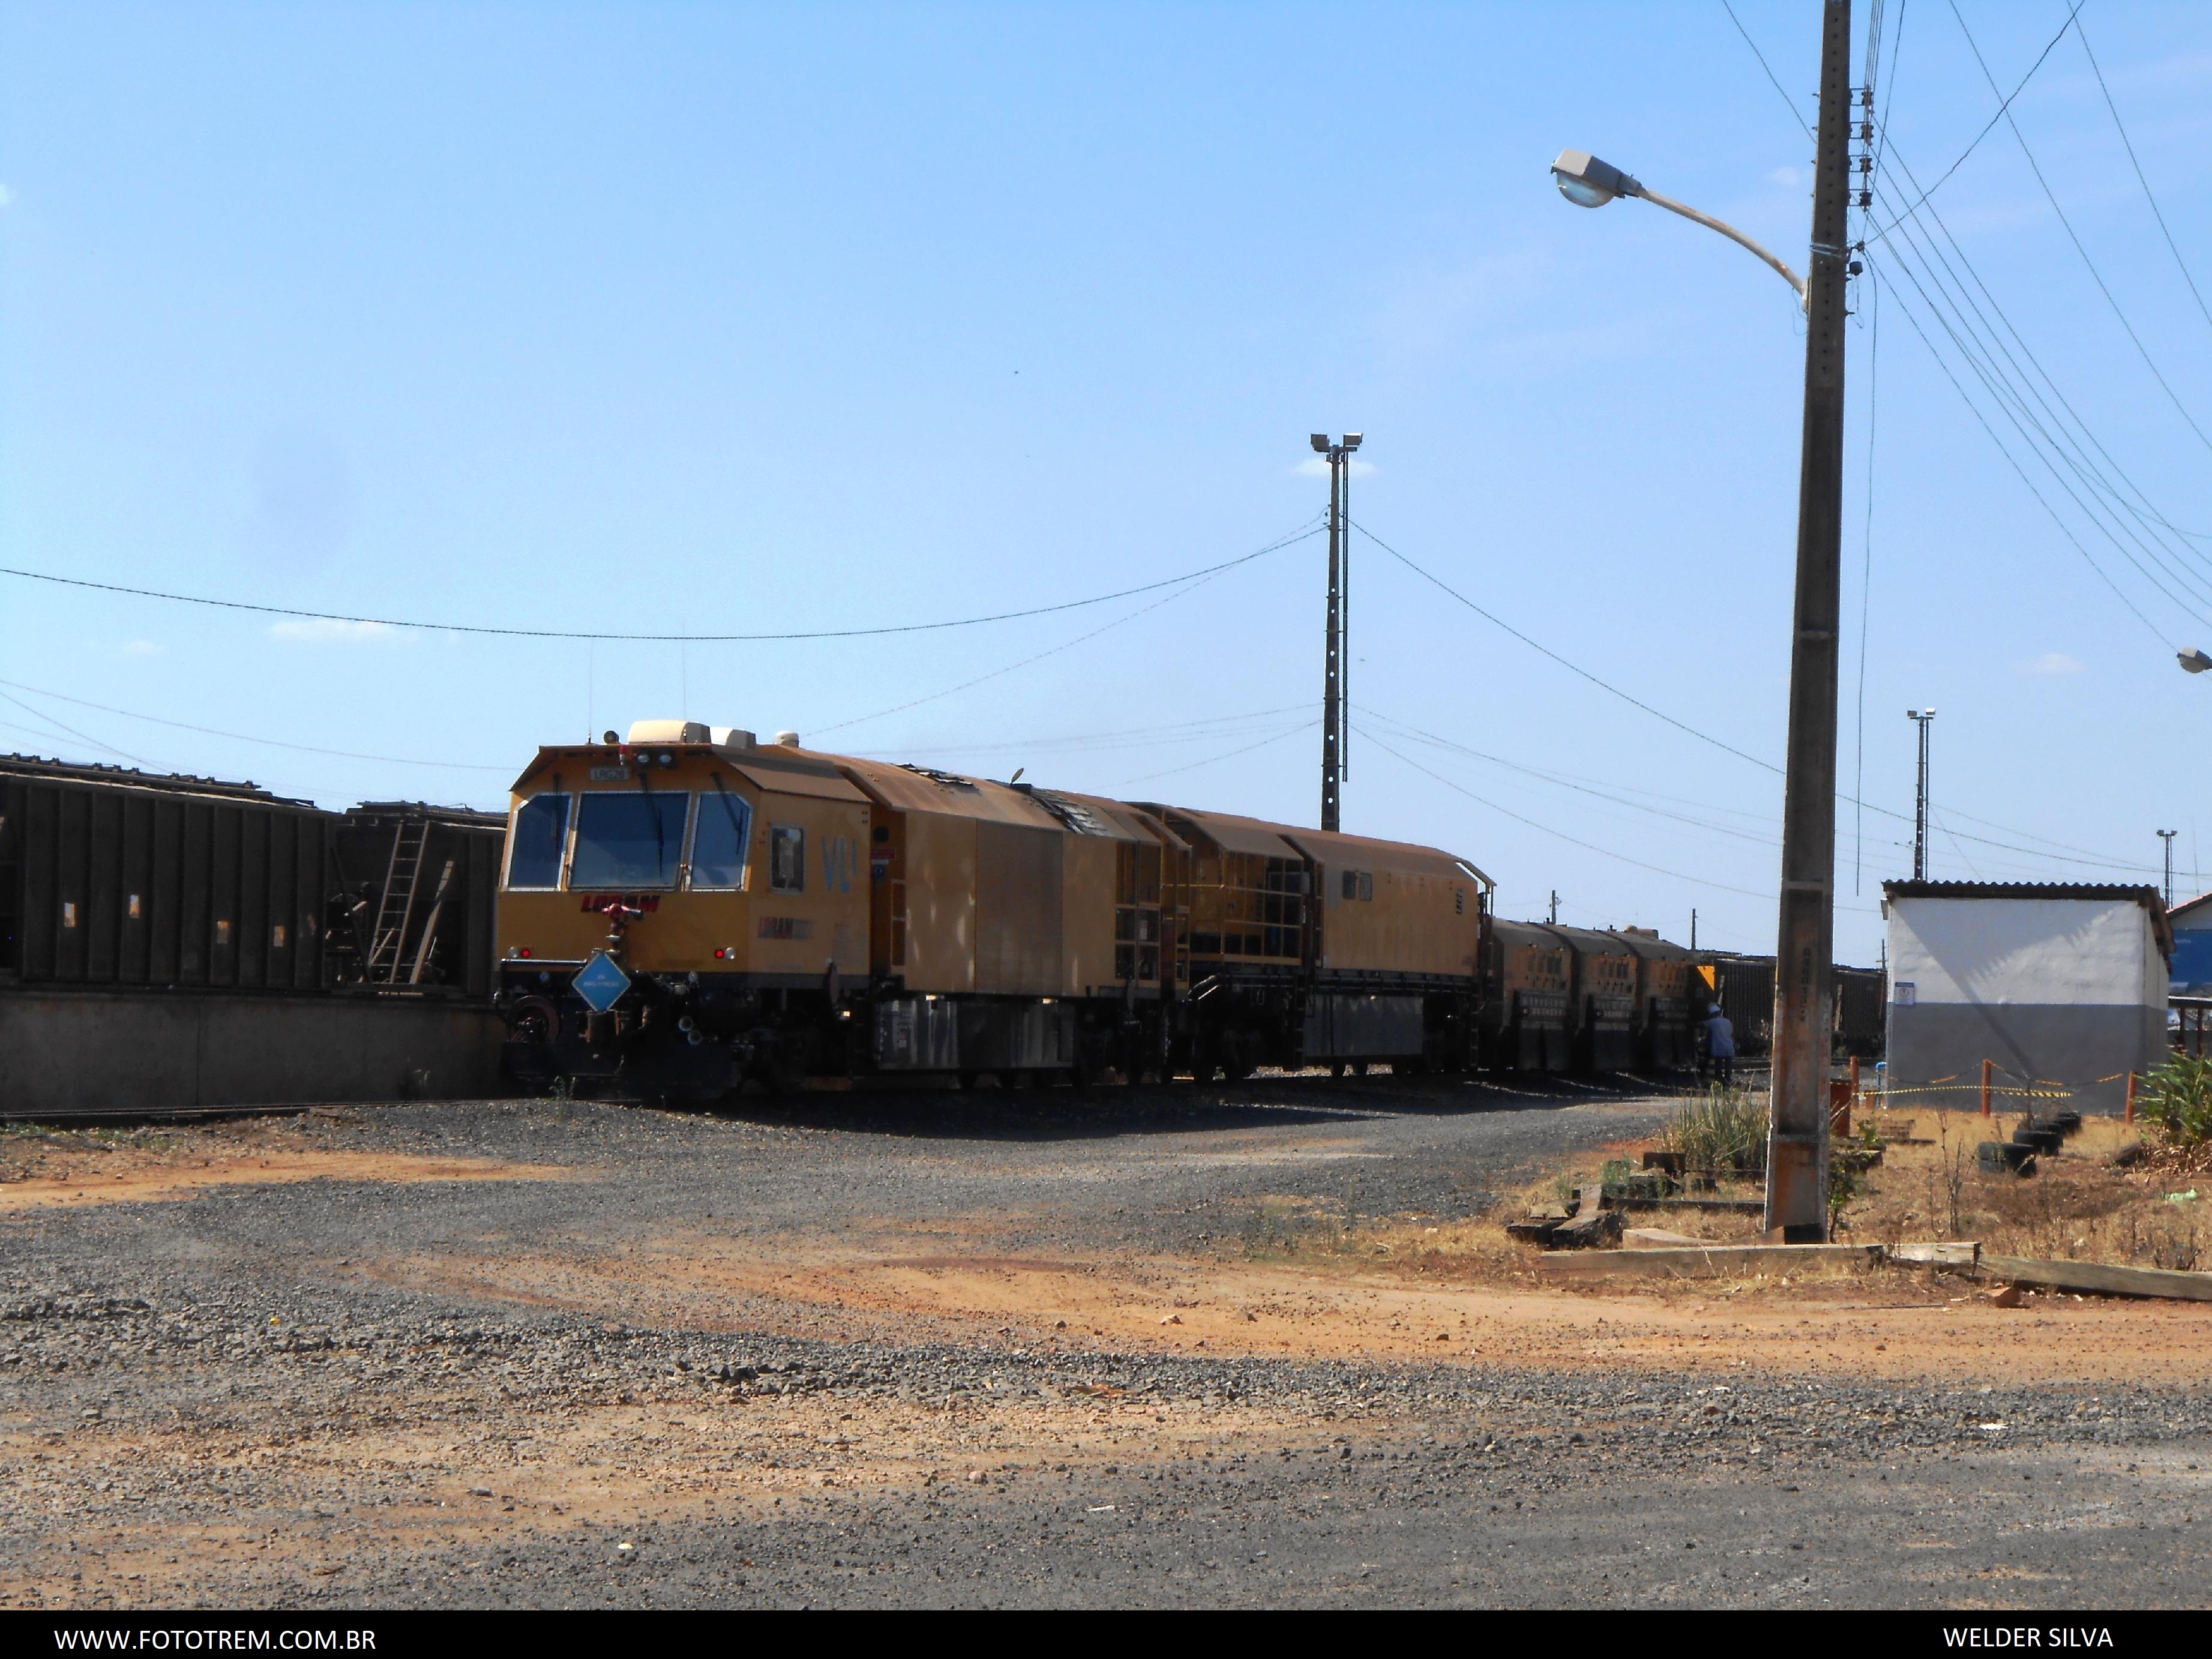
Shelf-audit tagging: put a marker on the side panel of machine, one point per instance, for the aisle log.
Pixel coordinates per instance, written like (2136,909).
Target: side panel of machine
(1353,1025)
(1018,895)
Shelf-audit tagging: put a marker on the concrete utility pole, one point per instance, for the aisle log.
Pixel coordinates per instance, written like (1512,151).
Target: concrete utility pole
(1555,907)
(1797,1152)
(2168,835)
(1920,717)
(1336,707)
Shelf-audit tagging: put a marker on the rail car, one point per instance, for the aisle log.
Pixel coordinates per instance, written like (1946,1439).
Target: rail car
(688,908)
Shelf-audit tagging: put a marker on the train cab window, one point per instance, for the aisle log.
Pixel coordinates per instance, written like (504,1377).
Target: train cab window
(787,858)
(1350,883)
(1367,884)
(720,841)
(539,838)
(628,840)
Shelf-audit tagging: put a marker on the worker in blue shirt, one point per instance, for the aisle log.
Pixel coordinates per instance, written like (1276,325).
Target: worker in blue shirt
(1720,1044)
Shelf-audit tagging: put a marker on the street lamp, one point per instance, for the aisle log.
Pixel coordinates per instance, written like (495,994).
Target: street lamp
(2193,661)
(1587,182)
(1797,1188)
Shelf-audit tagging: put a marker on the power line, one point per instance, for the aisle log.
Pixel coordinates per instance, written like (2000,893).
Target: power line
(2064,529)
(242,736)
(2015,404)
(1310,529)
(1191,586)
(2147,514)
(82,736)
(1219,725)
(1803,125)
(2196,294)
(1499,621)
(2096,276)
(1302,726)
(2002,108)
(2009,400)
(1558,835)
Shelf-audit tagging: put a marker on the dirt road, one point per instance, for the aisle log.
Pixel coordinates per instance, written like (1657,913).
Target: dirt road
(1159,1346)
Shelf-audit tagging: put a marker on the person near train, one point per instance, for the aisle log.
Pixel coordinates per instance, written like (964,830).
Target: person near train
(1720,1045)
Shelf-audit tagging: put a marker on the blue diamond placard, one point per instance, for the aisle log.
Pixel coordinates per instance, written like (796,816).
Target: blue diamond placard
(600,982)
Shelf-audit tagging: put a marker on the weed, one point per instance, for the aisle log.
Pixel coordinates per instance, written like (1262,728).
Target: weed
(1725,1132)
(2178,1100)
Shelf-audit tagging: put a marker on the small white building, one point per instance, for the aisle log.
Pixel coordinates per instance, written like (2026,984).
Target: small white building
(2054,983)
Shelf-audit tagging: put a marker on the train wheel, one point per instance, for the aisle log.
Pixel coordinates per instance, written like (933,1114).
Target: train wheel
(968,1080)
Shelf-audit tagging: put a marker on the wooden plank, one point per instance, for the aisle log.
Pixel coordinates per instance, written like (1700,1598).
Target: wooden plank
(1708,1261)
(1658,1238)
(1745,1206)
(1962,1253)
(2100,1278)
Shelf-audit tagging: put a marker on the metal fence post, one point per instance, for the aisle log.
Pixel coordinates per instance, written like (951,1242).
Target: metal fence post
(1985,1088)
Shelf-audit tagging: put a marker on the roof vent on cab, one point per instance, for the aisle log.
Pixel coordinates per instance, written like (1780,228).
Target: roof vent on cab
(787,740)
(645,731)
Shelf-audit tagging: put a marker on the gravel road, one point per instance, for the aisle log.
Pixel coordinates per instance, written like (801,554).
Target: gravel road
(554,1353)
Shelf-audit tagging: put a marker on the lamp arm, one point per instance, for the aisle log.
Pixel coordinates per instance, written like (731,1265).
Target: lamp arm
(1728,231)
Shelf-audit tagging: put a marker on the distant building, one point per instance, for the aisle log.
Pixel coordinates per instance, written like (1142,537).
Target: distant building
(2055,984)
(2191,922)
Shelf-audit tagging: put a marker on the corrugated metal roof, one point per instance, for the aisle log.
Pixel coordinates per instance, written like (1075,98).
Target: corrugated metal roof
(2142,893)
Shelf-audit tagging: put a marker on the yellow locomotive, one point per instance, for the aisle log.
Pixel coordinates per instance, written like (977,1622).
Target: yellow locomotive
(688,908)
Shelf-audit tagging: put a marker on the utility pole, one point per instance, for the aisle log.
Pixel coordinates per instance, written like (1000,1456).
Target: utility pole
(2168,835)
(1335,713)
(1797,1153)
(1920,717)
(1555,907)
(1693,930)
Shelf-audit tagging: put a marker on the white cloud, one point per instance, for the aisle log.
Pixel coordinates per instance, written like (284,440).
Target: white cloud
(1315,467)
(1786,176)
(2052,662)
(321,629)
(143,648)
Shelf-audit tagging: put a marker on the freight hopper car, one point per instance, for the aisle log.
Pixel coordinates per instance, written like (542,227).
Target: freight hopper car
(689,909)
(1669,1001)
(1527,971)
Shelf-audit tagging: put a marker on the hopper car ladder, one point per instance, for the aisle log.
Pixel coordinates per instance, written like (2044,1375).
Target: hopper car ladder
(397,908)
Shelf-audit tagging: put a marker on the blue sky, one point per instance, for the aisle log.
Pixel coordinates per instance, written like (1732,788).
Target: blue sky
(715,319)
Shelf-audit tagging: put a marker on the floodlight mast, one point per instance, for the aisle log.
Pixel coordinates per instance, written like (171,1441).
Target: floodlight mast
(1587,182)
(1336,692)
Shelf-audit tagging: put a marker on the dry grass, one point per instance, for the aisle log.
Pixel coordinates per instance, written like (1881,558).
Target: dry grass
(2076,1207)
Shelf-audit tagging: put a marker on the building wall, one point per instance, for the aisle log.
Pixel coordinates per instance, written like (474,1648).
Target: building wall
(73,1053)
(2065,991)
(2192,972)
